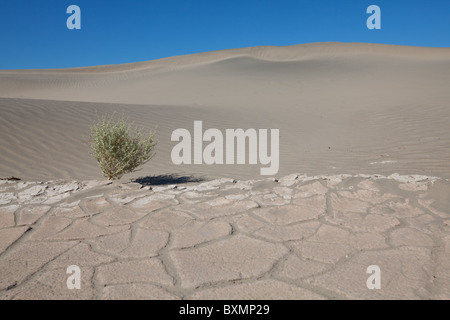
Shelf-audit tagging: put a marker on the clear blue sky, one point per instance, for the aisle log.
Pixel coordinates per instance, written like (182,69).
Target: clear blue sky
(33,33)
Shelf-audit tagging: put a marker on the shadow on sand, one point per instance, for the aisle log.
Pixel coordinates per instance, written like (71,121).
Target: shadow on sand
(167,179)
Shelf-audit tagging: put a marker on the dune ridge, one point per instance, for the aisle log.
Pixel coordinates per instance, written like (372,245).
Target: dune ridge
(269,53)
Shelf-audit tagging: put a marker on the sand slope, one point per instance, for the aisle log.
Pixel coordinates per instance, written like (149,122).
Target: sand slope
(340,107)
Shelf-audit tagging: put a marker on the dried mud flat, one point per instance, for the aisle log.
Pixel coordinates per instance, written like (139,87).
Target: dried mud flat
(298,237)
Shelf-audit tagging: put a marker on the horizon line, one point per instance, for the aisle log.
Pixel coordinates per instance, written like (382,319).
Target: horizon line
(218,50)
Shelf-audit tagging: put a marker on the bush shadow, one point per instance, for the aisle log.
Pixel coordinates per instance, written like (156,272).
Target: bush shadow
(166,179)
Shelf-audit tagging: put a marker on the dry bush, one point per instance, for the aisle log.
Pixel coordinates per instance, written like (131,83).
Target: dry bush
(118,148)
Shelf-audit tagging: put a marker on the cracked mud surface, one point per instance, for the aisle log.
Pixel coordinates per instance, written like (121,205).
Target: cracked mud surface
(298,237)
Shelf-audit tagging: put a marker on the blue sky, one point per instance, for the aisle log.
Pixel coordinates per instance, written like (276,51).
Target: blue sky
(34,34)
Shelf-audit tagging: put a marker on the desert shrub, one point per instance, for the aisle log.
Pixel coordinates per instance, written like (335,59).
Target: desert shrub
(119,148)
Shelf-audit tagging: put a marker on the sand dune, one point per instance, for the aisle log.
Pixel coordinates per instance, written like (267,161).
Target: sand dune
(350,117)
(340,107)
